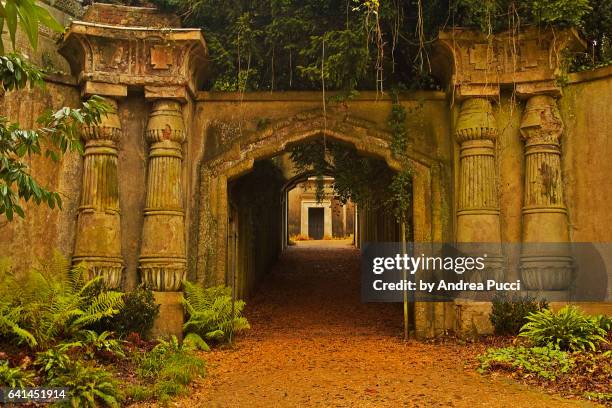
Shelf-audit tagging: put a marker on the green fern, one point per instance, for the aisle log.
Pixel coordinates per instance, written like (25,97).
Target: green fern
(15,377)
(10,310)
(53,302)
(9,325)
(54,361)
(89,387)
(211,315)
(95,344)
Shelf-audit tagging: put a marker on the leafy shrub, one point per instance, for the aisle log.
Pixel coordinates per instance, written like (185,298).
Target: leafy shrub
(15,377)
(89,386)
(210,313)
(195,342)
(509,313)
(137,315)
(568,329)
(546,362)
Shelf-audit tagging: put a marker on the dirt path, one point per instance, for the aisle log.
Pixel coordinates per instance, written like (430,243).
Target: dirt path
(313,343)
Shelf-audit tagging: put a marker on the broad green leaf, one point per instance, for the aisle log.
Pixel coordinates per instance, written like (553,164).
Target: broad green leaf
(10,10)
(2,30)
(29,22)
(47,19)
(19,211)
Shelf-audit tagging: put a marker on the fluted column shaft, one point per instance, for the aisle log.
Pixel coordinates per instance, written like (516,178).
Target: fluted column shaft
(545,266)
(98,238)
(478,203)
(163,255)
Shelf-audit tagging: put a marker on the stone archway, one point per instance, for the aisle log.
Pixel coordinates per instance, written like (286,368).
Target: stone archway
(239,156)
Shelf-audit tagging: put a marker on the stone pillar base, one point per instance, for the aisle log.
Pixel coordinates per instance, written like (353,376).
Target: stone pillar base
(472,318)
(171,318)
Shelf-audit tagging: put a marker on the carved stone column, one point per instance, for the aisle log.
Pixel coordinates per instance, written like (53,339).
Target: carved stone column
(544,267)
(162,256)
(478,201)
(98,238)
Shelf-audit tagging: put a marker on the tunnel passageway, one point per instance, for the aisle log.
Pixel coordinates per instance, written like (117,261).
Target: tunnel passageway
(315,288)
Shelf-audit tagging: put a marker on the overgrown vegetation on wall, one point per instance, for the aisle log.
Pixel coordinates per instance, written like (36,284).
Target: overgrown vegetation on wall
(364,44)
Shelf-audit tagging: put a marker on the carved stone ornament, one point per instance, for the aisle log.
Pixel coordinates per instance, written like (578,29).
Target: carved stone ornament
(474,64)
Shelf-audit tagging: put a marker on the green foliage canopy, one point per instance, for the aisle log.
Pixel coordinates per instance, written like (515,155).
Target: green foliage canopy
(365,44)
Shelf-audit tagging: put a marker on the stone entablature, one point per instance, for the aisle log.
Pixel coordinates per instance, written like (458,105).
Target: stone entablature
(168,61)
(474,64)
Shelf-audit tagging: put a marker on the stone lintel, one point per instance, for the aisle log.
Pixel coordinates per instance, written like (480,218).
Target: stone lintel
(465,91)
(178,93)
(103,89)
(528,89)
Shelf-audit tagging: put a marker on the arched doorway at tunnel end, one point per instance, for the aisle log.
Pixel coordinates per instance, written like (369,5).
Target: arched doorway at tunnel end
(239,158)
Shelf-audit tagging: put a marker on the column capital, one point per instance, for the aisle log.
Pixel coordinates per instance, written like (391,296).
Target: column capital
(476,121)
(165,122)
(109,128)
(541,122)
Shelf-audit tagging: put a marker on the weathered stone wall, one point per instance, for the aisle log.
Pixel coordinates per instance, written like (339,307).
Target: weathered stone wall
(132,167)
(587,149)
(25,241)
